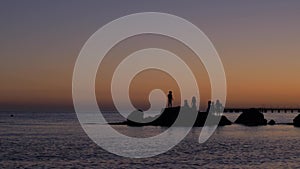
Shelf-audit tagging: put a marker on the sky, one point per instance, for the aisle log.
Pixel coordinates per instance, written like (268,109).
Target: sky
(257,41)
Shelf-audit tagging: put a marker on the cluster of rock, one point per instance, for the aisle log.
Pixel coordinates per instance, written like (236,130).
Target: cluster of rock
(251,117)
(296,121)
(169,117)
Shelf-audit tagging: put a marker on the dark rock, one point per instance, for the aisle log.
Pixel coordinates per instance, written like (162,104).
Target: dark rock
(251,117)
(135,118)
(272,122)
(170,115)
(296,121)
(224,121)
(167,118)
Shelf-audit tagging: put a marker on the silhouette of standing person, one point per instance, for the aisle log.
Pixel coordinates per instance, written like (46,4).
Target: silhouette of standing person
(219,107)
(194,103)
(212,108)
(208,106)
(170,99)
(186,105)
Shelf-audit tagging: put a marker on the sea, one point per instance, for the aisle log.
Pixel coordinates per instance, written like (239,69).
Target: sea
(57,140)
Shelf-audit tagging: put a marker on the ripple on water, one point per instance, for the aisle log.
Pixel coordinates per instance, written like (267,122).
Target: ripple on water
(61,143)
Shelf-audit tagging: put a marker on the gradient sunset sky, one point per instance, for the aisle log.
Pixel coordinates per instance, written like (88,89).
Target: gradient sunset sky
(257,41)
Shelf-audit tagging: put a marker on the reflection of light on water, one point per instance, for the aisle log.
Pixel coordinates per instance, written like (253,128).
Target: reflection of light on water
(114,141)
(58,136)
(241,135)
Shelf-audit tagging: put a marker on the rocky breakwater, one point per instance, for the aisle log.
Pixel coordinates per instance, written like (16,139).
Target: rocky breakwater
(251,117)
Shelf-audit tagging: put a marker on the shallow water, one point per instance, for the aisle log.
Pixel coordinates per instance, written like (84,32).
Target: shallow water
(56,140)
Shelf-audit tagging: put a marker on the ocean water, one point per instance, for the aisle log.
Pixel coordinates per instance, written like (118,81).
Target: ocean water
(56,140)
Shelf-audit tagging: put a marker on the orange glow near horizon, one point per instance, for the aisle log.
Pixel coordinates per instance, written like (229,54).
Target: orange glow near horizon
(128,46)
(251,84)
(260,52)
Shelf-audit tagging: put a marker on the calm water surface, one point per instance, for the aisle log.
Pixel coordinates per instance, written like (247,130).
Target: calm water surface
(56,140)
